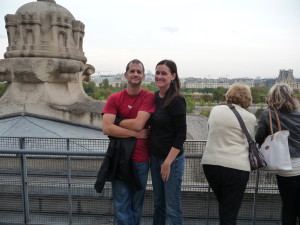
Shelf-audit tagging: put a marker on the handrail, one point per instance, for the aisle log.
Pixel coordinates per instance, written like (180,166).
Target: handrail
(51,152)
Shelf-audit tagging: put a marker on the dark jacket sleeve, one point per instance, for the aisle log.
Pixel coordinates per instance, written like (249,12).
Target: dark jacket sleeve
(102,176)
(263,128)
(106,171)
(178,112)
(126,168)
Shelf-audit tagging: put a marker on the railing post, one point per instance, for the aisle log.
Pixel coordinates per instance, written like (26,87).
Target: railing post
(70,207)
(254,199)
(25,198)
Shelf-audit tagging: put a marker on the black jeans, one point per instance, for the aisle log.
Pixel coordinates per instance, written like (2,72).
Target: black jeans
(228,185)
(289,188)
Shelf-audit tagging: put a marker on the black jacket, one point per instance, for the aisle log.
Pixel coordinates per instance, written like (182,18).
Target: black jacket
(118,164)
(288,121)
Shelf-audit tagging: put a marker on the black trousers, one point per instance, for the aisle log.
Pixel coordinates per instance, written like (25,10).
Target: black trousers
(289,189)
(228,185)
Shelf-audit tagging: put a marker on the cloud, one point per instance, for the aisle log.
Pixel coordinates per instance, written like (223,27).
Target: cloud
(171,29)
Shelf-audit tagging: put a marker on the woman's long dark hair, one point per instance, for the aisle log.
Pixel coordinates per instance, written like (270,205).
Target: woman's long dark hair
(174,89)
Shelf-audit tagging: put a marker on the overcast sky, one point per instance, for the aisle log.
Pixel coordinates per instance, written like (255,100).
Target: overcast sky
(206,38)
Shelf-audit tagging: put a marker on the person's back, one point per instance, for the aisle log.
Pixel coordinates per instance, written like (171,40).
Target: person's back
(226,143)
(225,159)
(282,99)
(289,121)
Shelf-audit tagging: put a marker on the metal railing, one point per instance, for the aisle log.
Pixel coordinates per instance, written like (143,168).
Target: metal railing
(50,181)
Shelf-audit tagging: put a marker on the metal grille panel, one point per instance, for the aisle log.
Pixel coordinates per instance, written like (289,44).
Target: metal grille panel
(55,186)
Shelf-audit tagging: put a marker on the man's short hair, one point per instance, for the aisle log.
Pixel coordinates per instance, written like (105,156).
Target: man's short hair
(135,61)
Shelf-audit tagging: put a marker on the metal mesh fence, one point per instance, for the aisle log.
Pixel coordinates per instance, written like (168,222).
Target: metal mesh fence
(57,188)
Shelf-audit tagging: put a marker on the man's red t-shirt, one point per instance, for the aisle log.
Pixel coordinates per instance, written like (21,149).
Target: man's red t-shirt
(127,106)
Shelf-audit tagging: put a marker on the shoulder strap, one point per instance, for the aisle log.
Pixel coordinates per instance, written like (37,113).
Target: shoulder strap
(238,116)
(270,120)
(277,119)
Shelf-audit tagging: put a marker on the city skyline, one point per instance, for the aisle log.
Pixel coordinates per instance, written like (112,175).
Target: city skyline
(149,73)
(205,38)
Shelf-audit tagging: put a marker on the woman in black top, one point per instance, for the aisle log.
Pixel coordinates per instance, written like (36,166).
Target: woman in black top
(168,133)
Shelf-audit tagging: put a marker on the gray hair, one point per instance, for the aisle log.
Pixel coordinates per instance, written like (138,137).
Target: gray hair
(281,97)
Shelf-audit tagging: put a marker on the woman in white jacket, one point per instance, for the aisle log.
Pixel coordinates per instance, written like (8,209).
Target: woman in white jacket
(226,156)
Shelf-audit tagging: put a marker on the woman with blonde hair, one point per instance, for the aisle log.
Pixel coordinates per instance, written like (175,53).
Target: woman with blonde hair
(226,156)
(282,99)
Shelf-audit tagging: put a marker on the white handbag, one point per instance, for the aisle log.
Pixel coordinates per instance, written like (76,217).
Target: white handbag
(275,148)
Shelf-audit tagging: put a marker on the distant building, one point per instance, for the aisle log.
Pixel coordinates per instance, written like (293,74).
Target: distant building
(192,82)
(287,77)
(247,81)
(118,79)
(264,82)
(114,80)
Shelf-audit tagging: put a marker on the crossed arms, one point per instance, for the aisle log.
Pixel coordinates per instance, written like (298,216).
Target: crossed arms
(128,127)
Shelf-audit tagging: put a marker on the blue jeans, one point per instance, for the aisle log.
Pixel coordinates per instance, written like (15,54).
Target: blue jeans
(128,203)
(167,195)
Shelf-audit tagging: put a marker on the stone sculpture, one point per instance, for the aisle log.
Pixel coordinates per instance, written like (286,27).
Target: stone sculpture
(45,66)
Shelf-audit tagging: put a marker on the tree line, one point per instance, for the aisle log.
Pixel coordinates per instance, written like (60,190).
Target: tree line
(194,96)
(204,95)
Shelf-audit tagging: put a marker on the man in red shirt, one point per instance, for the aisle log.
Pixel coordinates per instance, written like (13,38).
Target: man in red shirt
(135,105)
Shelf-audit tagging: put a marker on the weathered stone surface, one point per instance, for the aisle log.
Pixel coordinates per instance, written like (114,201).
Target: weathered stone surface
(49,87)
(44,29)
(45,66)
(196,127)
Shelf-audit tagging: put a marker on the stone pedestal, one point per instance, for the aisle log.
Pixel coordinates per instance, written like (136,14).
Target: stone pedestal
(49,87)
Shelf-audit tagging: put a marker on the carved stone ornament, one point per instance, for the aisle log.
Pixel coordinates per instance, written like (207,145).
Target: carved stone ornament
(45,66)
(44,29)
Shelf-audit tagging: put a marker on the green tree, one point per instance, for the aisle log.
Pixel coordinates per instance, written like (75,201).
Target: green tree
(202,102)
(219,94)
(150,87)
(297,93)
(103,93)
(104,83)
(188,90)
(206,97)
(206,90)
(190,104)
(89,87)
(259,94)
